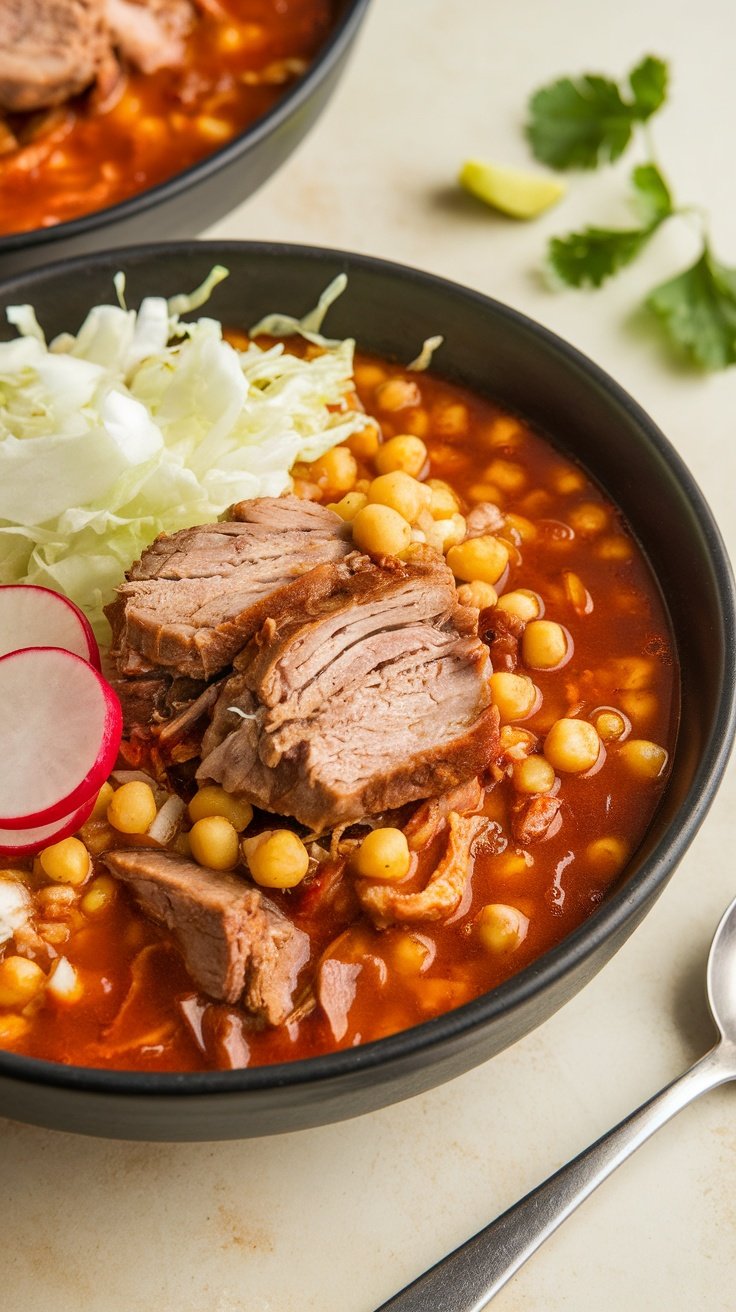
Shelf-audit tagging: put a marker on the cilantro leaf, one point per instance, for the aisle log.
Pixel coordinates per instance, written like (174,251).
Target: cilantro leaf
(648,82)
(588,258)
(698,311)
(574,124)
(583,122)
(653,195)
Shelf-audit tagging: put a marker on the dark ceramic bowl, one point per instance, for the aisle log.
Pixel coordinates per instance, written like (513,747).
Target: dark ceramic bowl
(496,351)
(190,201)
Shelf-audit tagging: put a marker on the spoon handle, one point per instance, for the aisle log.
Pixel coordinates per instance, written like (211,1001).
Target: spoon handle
(467,1279)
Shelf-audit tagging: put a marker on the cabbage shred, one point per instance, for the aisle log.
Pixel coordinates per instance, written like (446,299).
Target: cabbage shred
(142,424)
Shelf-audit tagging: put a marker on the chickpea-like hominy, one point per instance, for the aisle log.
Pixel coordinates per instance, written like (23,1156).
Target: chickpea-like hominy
(214,800)
(132,807)
(404,452)
(214,842)
(66,862)
(20,981)
(383,854)
(644,758)
(381,531)
(481,595)
(402,493)
(572,746)
(522,603)
(544,645)
(514,694)
(276,858)
(484,558)
(501,928)
(335,472)
(533,775)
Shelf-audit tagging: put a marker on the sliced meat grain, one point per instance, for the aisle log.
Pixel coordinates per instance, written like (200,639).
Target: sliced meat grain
(197,596)
(237,945)
(379,698)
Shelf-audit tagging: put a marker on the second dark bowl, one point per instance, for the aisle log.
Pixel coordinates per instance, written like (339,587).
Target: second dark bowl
(191,200)
(495,351)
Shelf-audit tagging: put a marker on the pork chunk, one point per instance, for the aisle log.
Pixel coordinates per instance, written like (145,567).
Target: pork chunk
(376,696)
(237,945)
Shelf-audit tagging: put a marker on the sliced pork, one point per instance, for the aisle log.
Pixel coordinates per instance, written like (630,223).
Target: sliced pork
(368,691)
(237,945)
(195,597)
(49,50)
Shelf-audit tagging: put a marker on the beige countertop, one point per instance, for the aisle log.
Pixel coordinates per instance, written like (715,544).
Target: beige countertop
(336,1219)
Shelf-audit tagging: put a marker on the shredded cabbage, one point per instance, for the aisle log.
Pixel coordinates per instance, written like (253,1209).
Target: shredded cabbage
(143,423)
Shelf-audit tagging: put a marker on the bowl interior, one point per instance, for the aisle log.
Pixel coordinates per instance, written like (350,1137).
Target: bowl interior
(497,352)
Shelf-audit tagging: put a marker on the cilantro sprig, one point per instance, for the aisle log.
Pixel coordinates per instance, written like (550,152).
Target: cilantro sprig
(589,121)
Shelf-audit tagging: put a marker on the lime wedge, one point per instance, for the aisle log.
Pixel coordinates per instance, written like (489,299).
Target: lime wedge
(513,191)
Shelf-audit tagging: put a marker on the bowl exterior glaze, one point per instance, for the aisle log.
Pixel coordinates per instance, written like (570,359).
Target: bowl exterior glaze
(191,200)
(493,350)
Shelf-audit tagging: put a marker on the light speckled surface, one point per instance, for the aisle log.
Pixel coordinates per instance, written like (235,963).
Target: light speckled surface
(335,1220)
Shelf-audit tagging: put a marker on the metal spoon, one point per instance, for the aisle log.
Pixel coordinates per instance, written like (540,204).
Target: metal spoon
(467,1279)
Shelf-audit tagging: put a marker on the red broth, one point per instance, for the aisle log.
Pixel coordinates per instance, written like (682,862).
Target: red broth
(571,547)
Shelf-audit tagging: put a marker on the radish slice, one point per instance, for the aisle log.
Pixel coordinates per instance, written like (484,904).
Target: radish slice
(60,729)
(37,617)
(26,842)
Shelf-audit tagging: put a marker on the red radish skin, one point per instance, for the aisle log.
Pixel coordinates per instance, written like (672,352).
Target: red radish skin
(27,842)
(60,730)
(31,616)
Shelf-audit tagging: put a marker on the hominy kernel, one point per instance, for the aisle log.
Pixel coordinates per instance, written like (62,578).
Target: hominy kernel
(567,481)
(450,419)
(383,854)
(507,475)
(276,858)
(607,856)
(514,694)
(104,797)
(404,452)
(521,527)
(20,981)
(504,431)
(410,954)
(614,548)
(484,558)
(645,759)
(66,862)
(397,394)
(368,375)
(544,645)
(416,422)
(214,800)
(572,746)
(380,531)
(99,896)
(610,726)
(334,472)
(404,494)
(501,928)
(443,502)
(214,129)
(588,518)
(522,603)
(533,775)
(641,705)
(365,442)
(481,595)
(214,842)
(132,808)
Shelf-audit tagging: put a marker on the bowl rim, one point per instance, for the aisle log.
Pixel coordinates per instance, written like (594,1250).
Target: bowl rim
(626,903)
(329,54)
